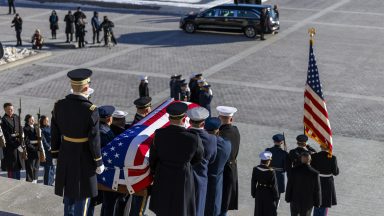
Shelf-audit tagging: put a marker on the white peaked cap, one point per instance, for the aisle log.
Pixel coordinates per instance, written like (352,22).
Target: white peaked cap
(198,114)
(266,155)
(226,110)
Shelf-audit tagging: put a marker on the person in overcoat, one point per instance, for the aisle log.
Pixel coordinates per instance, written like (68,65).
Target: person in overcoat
(32,164)
(327,167)
(49,168)
(143,87)
(264,187)
(173,153)
(53,23)
(69,20)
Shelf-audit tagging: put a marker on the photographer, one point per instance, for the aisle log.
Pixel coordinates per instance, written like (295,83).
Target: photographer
(37,40)
(107,26)
(17,22)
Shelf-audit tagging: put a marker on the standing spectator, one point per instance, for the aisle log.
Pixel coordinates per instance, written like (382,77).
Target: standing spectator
(37,40)
(53,23)
(17,22)
(107,27)
(11,5)
(95,27)
(81,32)
(264,187)
(205,97)
(32,164)
(216,169)
(173,190)
(143,87)
(10,124)
(263,22)
(303,188)
(49,168)
(78,15)
(197,117)
(69,20)
(230,180)
(327,166)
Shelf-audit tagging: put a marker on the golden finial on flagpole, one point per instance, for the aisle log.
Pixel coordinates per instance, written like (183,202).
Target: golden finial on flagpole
(312,33)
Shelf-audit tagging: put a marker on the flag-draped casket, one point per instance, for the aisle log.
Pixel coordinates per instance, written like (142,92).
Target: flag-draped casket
(126,157)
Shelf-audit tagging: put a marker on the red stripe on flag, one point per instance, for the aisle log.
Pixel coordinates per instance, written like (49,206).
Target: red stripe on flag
(317,119)
(315,131)
(143,184)
(317,105)
(137,172)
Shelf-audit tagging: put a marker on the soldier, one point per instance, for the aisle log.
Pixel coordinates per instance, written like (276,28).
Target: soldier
(69,20)
(143,108)
(263,22)
(76,145)
(216,169)
(197,117)
(10,124)
(303,187)
(107,27)
(294,155)
(230,180)
(185,92)
(177,86)
(143,87)
(32,164)
(173,190)
(195,89)
(11,5)
(17,22)
(78,15)
(205,97)
(171,84)
(264,187)
(327,166)
(118,122)
(49,168)
(279,160)
(95,27)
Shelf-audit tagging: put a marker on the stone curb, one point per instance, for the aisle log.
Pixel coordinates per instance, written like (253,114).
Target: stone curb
(38,56)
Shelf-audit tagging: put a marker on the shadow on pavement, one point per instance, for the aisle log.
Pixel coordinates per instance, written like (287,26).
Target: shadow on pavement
(2,213)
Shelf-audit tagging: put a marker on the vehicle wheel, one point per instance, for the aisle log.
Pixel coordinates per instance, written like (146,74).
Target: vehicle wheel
(189,27)
(250,31)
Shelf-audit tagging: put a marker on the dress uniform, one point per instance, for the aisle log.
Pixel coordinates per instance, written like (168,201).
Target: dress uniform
(216,169)
(185,94)
(205,97)
(171,84)
(177,86)
(194,87)
(279,161)
(118,122)
(143,87)
(32,163)
(143,106)
(76,146)
(173,190)
(230,180)
(327,166)
(264,187)
(201,172)
(294,155)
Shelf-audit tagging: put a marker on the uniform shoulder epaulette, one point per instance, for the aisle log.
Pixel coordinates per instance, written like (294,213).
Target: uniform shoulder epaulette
(93,107)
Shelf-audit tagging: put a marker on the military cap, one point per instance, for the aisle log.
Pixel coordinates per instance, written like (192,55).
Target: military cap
(143,77)
(198,114)
(212,123)
(177,109)
(278,137)
(302,138)
(173,76)
(206,85)
(226,110)
(198,75)
(119,114)
(201,81)
(80,76)
(106,111)
(184,83)
(178,76)
(143,102)
(265,155)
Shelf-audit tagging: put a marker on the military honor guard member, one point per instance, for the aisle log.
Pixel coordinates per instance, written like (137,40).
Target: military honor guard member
(205,97)
(193,86)
(201,172)
(171,84)
(176,87)
(216,169)
(143,87)
(295,154)
(76,145)
(264,187)
(303,187)
(143,108)
(118,122)
(185,94)
(327,166)
(173,153)
(230,181)
(279,160)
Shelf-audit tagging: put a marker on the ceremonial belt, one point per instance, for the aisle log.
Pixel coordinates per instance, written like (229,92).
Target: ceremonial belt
(33,141)
(13,135)
(325,175)
(75,140)
(264,185)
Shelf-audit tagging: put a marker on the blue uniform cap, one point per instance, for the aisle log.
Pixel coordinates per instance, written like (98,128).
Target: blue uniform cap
(198,114)
(302,138)
(212,123)
(106,111)
(278,137)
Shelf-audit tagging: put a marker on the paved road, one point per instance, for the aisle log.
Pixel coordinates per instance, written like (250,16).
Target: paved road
(265,80)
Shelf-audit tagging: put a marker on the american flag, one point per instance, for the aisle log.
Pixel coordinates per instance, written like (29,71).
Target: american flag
(316,122)
(126,157)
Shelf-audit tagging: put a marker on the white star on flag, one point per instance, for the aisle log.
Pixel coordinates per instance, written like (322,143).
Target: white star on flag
(120,144)
(105,154)
(109,161)
(113,148)
(116,155)
(103,178)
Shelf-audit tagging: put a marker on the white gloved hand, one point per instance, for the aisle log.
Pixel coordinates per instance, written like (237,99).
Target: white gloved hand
(20,149)
(100,169)
(54,162)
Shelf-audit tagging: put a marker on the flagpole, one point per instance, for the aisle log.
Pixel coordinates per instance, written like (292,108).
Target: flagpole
(312,33)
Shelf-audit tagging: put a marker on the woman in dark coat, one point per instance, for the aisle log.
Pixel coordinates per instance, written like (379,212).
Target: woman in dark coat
(49,168)
(264,187)
(32,164)
(53,23)
(69,20)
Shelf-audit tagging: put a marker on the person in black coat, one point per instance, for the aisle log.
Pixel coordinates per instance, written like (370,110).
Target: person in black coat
(143,87)
(193,87)
(81,32)
(107,26)
(11,5)
(17,22)
(279,160)
(53,24)
(171,84)
(185,94)
(230,180)
(173,190)
(264,187)
(49,168)
(176,87)
(263,23)
(201,172)
(10,124)
(293,159)
(78,15)
(205,97)
(32,164)
(76,145)
(303,188)
(69,20)
(143,108)
(327,166)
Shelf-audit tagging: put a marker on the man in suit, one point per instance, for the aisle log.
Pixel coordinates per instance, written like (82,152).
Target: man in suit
(173,153)
(76,145)
(303,188)
(196,119)
(216,169)
(327,166)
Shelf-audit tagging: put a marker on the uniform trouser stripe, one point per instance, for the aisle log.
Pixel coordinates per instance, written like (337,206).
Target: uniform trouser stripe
(85,207)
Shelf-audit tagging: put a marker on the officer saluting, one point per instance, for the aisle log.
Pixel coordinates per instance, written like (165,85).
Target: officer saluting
(76,145)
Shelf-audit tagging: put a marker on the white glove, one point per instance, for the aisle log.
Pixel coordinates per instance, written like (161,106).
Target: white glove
(100,169)
(54,162)
(20,149)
